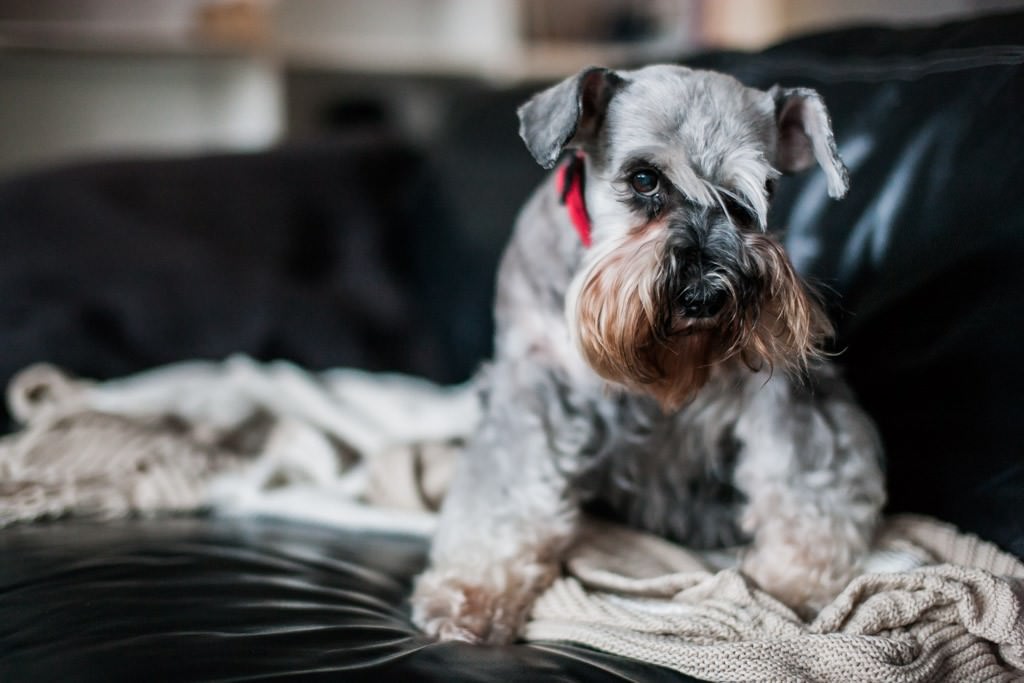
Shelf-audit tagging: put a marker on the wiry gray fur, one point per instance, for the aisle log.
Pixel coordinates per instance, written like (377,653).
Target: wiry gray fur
(789,461)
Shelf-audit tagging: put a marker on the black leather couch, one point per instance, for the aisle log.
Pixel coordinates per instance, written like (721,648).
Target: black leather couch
(370,252)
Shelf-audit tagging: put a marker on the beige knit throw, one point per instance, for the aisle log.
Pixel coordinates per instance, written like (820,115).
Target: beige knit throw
(373,451)
(958,619)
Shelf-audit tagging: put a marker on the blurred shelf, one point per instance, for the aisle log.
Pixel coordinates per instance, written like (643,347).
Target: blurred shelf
(538,61)
(127,41)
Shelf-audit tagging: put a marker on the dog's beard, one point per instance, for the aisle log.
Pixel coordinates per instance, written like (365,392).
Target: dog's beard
(630,331)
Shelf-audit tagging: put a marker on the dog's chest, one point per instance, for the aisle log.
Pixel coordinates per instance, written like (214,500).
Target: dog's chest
(675,475)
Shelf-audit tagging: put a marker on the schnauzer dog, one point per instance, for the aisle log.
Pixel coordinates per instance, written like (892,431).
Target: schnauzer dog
(657,355)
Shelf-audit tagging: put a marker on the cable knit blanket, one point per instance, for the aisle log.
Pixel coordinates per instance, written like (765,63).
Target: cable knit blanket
(376,451)
(958,618)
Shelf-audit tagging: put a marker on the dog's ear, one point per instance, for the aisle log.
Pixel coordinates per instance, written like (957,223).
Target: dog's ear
(570,113)
(805,137)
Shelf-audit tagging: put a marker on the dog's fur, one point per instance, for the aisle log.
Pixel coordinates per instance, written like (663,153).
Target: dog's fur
(671,372)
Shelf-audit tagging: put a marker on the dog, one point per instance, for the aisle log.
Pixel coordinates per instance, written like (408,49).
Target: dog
(657,356)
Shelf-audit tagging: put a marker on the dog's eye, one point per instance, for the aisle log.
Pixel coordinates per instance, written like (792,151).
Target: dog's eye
(644,181)
(738,212)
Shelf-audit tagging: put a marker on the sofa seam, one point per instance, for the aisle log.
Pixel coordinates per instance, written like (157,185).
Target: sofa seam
(899,68)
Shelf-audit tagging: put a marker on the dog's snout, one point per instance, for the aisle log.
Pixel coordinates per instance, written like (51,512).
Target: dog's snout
(702,302)
(698,292)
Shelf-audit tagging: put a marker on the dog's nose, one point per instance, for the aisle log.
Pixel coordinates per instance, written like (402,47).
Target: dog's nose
(701,302)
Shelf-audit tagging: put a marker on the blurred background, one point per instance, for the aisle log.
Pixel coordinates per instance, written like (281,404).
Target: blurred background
(81,79)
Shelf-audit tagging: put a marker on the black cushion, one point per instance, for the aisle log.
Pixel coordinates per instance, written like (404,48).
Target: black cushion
(222,599)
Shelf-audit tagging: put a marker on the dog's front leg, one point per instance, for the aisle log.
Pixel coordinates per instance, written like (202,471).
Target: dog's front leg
(811,470)
(508,515)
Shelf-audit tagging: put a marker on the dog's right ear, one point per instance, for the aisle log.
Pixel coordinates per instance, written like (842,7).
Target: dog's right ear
(567,114)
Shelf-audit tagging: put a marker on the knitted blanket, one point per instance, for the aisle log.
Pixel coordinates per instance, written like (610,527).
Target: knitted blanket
(960,617)
(341,447)
(373,451)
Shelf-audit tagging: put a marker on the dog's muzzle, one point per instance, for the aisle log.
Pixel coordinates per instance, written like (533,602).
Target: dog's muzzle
(696,286)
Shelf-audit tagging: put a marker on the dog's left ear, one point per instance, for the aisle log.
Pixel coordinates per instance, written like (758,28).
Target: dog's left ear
(567,114)
(805,137)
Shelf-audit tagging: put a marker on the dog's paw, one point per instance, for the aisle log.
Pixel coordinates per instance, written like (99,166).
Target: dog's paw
(798,586)
(486,605)
(453,609)
(804,573)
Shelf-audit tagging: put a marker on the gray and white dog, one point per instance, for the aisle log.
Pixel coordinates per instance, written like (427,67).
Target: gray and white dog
(670,371)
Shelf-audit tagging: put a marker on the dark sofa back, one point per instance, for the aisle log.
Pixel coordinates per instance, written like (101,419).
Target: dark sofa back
(316,254)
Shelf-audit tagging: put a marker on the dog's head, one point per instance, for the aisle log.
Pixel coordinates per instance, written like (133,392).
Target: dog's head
(682,277)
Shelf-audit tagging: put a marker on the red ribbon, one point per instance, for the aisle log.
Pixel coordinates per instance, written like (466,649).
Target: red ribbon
(570,187)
